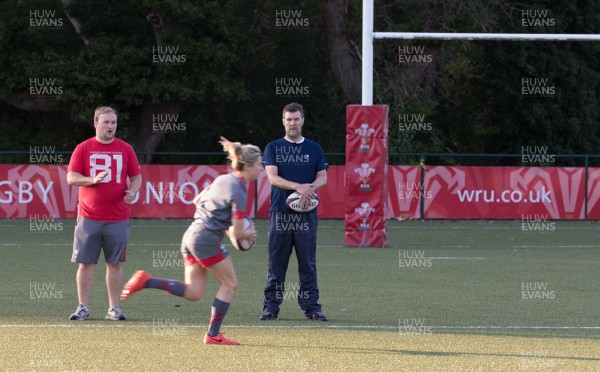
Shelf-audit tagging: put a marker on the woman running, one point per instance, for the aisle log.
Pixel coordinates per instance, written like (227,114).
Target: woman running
(219,206)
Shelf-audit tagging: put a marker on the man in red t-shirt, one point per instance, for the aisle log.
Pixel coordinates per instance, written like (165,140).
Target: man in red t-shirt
(100,167)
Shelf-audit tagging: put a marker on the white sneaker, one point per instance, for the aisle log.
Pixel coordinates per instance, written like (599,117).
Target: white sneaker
(115,314)
(81,313)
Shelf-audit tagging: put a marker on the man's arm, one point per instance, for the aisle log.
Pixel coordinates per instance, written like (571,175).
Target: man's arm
(78,179)
(135,183)
(276,180)
(304,189)
(320,180)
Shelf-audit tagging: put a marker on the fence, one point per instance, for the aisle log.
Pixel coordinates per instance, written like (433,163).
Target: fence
(434,185)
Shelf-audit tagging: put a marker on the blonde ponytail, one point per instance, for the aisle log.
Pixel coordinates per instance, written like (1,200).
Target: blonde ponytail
(239,154)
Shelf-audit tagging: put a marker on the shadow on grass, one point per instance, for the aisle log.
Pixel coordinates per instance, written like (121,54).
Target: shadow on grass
(530,333)
(524,356)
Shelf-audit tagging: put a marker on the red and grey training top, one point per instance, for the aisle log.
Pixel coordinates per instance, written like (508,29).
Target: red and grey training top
(224,199)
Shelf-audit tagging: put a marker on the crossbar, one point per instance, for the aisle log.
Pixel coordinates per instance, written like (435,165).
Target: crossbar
(368,35)
(484,36)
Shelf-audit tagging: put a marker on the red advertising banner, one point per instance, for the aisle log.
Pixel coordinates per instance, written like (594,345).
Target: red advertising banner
(593,194)
(27,190)
(366,176)
(504,192)
(167,192)
(405,194)
(449,192)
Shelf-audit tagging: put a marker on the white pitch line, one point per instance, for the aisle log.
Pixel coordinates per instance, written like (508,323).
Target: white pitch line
(509,327)
(404,247)
(457,258)
(564,246)
(472,327)
(142,326)
(516,226)
(70,244)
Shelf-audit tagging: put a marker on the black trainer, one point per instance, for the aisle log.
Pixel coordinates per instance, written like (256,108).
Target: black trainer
(318,316)
(268,316)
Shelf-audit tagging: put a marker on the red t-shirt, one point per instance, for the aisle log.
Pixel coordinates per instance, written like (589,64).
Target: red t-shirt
(104,201)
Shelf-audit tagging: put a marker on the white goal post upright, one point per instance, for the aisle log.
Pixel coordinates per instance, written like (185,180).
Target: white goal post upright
(367,53)
(366,192)
(369,35)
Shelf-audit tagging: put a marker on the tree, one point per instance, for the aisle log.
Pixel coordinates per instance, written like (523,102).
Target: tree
(147,57)
(182,73)
(468,96)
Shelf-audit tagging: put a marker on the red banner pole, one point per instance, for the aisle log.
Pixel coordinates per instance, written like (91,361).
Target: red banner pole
(366,176)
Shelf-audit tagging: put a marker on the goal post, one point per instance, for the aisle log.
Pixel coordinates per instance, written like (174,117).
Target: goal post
(369,35)
(362,115)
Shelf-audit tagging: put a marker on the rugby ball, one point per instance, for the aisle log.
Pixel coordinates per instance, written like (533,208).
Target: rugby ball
(242,244)
(293,202)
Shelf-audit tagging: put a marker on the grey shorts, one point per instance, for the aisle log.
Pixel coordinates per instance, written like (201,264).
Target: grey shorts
(202,247)
(91,237)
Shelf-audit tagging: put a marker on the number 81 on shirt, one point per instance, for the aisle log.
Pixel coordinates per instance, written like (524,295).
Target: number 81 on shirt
(102,163)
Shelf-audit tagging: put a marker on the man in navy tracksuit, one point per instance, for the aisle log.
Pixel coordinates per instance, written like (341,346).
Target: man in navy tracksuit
(293,163)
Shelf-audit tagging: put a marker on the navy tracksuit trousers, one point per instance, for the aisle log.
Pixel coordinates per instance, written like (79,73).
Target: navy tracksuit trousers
(289,231)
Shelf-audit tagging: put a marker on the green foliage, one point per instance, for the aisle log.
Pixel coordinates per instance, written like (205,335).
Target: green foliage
(472,92)
(235,51)
(117,67)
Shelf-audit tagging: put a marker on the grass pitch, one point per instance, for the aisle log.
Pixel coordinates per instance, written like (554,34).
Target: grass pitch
(444,296)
